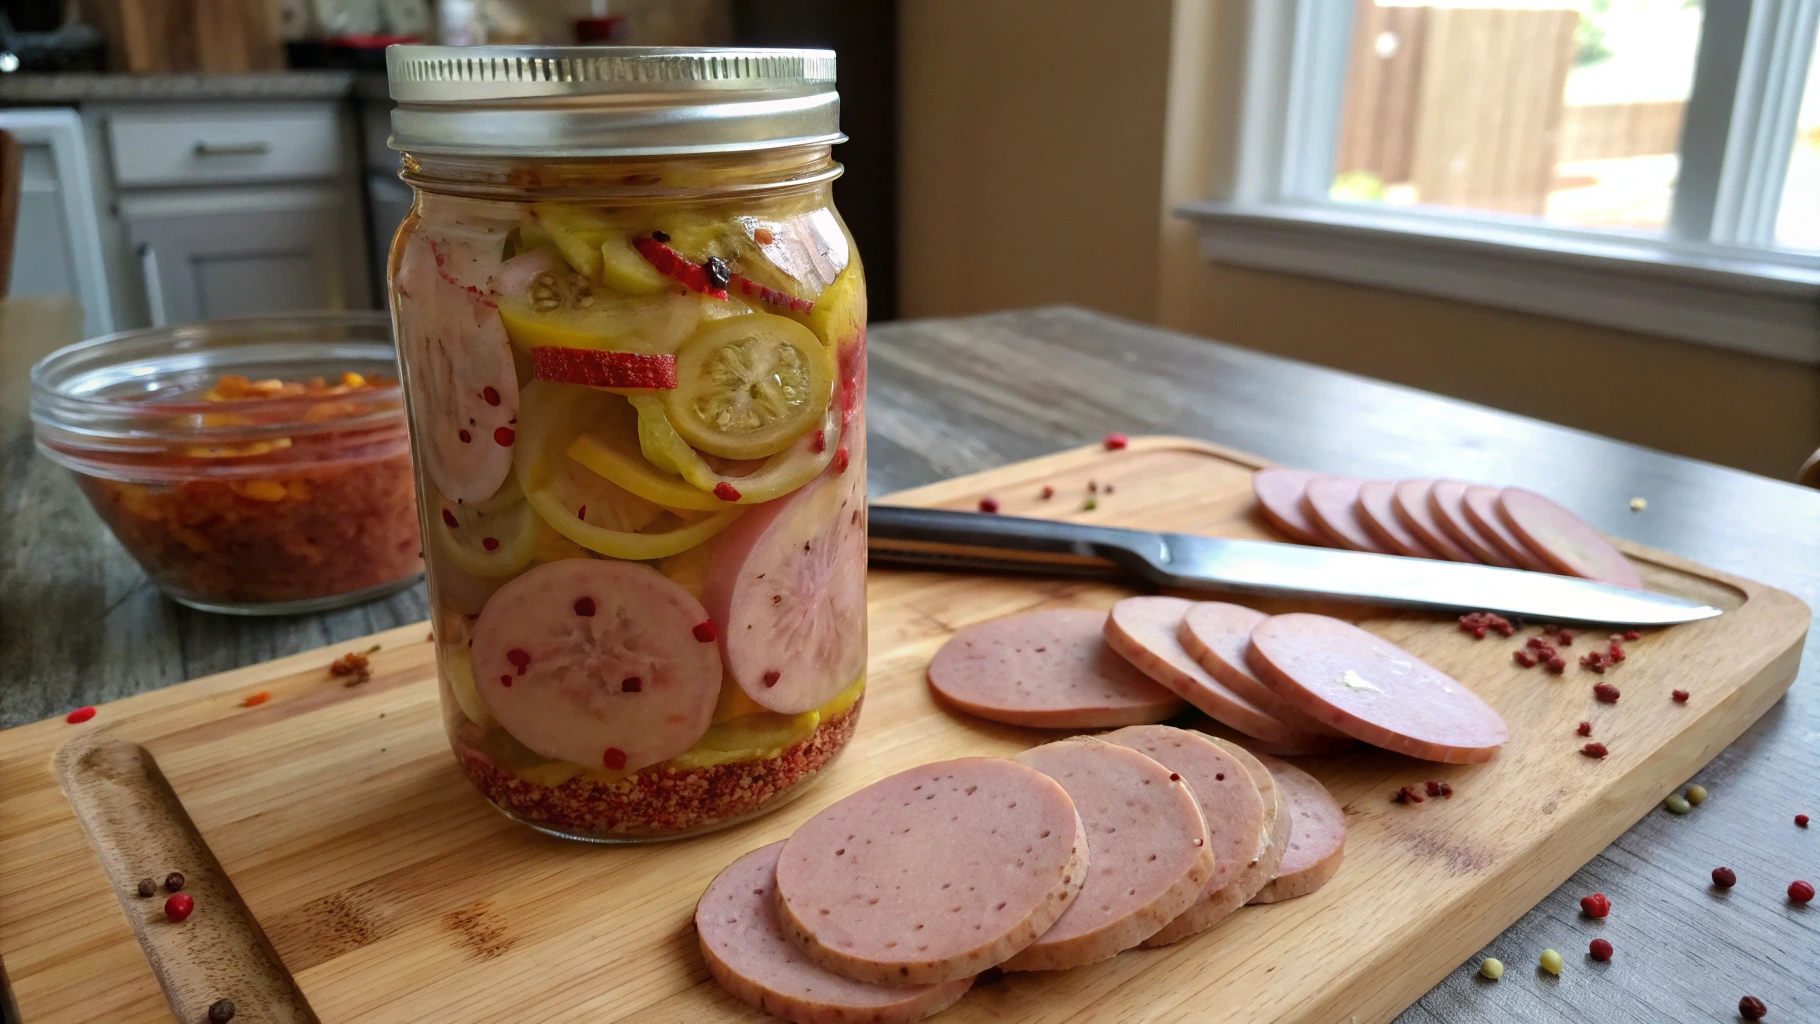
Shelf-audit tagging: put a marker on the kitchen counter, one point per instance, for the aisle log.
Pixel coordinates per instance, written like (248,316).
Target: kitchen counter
(72,88)
(82,625)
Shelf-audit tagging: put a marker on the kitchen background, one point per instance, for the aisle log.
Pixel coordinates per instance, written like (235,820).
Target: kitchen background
(186,159)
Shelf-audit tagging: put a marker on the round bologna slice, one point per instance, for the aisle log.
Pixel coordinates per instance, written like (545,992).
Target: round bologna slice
(1418,515)
(1317,834)
(1373,690)
(597,663)
(1279,494)
(933,874)
(1564,540)
(786,588)
(1481,505)
(458,368)
(1332,505)
(1049,669)
(1148,855)
(1147,632)
(1447,500)
(746,951)
(1257,871)
(1230,803)
(1377,512)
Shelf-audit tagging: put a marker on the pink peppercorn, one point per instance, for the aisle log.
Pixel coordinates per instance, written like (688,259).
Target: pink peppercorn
(1599,950)
(1800,892)
(1048,492)
(1724,878)
(1680,696)
(988,504)
(181,904)
(1585,729)
(1114,442)
(1595,905)
(1594,750)
(80,715)
(1606,692)
(1800,821)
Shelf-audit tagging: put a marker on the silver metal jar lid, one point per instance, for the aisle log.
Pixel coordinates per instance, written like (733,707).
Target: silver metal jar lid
(578,101)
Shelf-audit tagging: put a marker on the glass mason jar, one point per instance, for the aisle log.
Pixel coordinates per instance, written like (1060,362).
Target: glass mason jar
(632,334)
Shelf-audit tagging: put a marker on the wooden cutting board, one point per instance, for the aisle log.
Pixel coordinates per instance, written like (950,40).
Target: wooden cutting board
(379,887)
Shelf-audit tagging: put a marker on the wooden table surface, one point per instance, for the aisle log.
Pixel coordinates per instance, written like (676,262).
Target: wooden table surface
(80,624)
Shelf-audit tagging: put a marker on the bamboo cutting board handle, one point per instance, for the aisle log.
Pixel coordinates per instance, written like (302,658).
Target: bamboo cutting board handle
(139,829)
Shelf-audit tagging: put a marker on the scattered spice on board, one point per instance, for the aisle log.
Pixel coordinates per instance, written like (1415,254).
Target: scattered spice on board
(1114,442)
(1695,794)
(988,504)
(353,664)
(1750,1007)
(80,715)
(1585,729)
(1048,492)
(1594,750)
(1491,968)
(178,907)
(253,700)
(1606,692)
(1599,949)
(1551,961)
(1406,795)
(1477,623)
(1638,504)
(1090,504)
(173,882)
(147,888)
(1677,804)
(221,1011)
(1435,787)
(1800,892)
(1557,664)
(1680,696)
(1523,658)
(1595,906)
(1724,877)
(1800,821)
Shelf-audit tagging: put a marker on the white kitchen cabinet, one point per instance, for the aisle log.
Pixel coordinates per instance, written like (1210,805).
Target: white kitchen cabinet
(238,252)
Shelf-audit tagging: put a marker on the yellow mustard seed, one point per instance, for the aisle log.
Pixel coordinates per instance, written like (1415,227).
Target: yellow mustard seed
(1696,794)
(1551,961)
(1491,968)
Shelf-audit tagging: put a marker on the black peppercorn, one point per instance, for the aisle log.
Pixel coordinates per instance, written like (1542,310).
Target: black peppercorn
(661,236)
(221,1011)
(718,272)
(1752,1008)
(173,881)
(147,888)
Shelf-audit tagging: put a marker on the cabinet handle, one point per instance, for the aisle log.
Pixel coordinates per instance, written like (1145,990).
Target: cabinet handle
(232,148)
(154,285)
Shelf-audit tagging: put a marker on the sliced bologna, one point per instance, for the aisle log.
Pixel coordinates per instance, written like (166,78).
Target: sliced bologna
(1148,855)
(1447,499)
(1564,540)
(1317,834)
(747,952)
(1332,505)
(1377,512)
(1373,690)
(1230,802)
(1216,635)
(1279,493)
(1048,669)
(933,874)
(1256,873)
(1417,514)
(1482,511)
(596,662)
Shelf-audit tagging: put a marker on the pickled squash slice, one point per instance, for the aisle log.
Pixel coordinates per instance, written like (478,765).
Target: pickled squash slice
(748,386)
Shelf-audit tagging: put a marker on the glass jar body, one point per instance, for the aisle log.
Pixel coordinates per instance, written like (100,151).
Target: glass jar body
(636,392)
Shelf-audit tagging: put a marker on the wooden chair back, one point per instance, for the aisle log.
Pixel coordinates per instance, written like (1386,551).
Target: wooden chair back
(11,170)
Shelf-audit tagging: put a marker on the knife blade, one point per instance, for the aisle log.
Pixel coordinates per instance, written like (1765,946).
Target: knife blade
(944,538)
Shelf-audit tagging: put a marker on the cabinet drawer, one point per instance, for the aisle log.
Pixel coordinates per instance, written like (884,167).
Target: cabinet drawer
(241,144)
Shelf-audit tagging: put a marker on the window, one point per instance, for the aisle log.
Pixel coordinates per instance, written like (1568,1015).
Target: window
(1650,164)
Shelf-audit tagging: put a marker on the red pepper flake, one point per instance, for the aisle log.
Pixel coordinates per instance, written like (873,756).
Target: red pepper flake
(504,436)
(675,265)
(769,296)
(466,437)
(179,906)
(1557,664)
(1566,638)
(818,443)
(631,684)
(1433,787)
(988,504)
(1048,492)
(726,491)
(705,632)
(1724,878)
(490,395)
(1680,696)
(600,368)
(1599,949)
(772,677)
(1594,750)
(840,459)
(1114,442)
(1523,658)
(614,758)
(1406,795)
(1536,643)
(449,520)
(1631,634)
(253,700)
(353,664)
(1596,661)
(1477,623)
(1800,821)
(1606,692)
(582,513)
(584,607)
(1752,1008)
(1595,906)
(80,715)
(490,543)
(1800,892)
(1585,729)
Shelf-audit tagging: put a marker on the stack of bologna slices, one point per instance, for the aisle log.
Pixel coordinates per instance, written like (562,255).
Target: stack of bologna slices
(1508,527)
(888,904)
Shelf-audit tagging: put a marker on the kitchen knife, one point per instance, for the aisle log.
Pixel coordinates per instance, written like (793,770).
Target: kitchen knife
(942,538)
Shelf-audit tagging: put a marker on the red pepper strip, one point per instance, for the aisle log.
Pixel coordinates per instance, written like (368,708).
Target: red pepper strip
(770,296)
(597,368)
(671,263)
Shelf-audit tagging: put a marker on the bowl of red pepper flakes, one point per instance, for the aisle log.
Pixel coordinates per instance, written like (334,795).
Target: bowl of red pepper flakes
(252,466)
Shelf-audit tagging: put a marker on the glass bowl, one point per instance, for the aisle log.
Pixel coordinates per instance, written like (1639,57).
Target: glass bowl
(252,466)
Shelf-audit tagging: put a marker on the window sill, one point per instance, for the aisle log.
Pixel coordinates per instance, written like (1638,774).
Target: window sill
(1763,303)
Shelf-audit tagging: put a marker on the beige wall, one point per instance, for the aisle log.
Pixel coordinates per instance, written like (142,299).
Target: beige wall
(1042,157)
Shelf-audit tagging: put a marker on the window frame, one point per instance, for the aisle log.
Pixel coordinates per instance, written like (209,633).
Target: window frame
(1711,276)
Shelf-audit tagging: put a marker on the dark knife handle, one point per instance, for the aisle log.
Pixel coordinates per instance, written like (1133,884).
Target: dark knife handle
(945,538)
